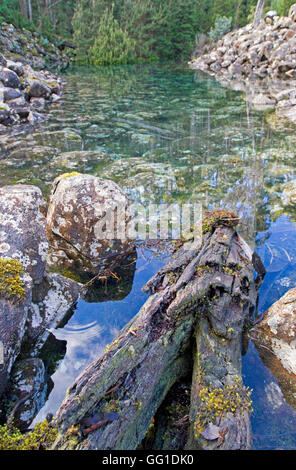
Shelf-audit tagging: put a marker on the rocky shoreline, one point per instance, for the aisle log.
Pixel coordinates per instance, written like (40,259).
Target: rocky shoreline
(21,45)
(26,86)
(259,61)
(24,93)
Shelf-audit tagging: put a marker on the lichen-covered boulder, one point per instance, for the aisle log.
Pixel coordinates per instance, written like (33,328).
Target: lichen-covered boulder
(277,330)
(51,302)
(86,222)
(15,296)
(22,228)
(26,391)
(23,247)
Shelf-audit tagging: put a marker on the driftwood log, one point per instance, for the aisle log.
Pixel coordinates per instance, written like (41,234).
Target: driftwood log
(191,325)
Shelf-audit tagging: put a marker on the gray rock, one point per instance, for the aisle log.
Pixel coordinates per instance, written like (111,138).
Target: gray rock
(11,93)
(23,246)
(17,67)
(292,12)
(3,61)
(9,78)
(37,103)
(38,89)
(51,301)
(4,113)
(80,225)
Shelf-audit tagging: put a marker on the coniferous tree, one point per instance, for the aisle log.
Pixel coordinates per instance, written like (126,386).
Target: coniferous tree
(113,45)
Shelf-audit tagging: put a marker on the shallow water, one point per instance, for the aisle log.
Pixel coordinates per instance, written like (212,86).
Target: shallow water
(168,134)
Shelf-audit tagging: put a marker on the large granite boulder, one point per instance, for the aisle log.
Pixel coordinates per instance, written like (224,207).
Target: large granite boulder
(86,223)
(23,247)
(31,300)
(22,228)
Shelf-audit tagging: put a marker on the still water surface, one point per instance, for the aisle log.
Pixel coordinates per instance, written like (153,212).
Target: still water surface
(167,134)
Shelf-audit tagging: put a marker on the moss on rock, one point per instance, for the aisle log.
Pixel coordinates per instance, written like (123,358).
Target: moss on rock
(11,284)
(41,437)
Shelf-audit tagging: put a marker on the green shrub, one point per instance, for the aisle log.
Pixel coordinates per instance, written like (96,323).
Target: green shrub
(113,46)
(221,27)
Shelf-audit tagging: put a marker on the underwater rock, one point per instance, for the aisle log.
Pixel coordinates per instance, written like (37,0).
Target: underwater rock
(289,193)
(86,223)
(207,290)
(26,391)
(70,160)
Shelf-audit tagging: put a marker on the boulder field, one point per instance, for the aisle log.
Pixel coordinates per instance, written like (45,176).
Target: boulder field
(259,61)
(24,93)
(31,48)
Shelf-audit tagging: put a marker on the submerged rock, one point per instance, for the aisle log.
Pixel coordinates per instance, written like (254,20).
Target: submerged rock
(26,392)
(86,222)
(289,193)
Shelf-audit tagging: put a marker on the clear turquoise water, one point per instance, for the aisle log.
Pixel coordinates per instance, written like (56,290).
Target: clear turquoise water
(168,134)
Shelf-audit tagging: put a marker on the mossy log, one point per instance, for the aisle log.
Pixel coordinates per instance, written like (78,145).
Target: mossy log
(207,288)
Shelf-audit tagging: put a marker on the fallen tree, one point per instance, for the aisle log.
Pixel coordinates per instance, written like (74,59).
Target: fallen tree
(207,291)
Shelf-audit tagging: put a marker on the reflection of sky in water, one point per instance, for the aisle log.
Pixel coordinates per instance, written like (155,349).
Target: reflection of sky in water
(92,327)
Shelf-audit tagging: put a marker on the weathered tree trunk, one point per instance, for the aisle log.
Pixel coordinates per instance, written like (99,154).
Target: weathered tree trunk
(30,10)
(258,13)
(23,7)
(208,288)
